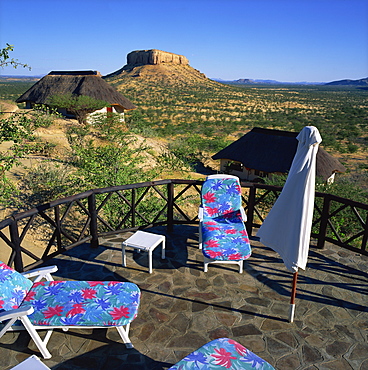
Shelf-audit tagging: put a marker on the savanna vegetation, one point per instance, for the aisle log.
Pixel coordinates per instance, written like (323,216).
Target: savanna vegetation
(200,120)
(197,120)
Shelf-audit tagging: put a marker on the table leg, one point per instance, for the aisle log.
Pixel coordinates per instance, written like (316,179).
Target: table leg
(150,261)
(163,249)
(123,254)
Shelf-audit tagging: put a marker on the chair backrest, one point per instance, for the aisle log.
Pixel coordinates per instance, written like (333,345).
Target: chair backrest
(13,288)
(220,195)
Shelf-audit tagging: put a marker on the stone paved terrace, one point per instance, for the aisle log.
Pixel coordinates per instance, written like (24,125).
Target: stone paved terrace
(182,308)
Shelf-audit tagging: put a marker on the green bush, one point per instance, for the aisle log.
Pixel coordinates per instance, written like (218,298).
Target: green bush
(48,181)
(43,116)
(16,128)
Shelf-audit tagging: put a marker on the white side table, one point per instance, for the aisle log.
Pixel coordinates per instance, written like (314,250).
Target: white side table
(145,241)
(31,363)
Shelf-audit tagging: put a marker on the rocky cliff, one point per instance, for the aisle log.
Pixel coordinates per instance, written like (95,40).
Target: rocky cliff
(154,56)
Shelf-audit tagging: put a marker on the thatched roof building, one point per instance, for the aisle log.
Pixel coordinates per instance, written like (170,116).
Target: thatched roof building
(88,83)
(262,152)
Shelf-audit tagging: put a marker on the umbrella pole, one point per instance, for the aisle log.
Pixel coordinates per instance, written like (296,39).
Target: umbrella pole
(292,299)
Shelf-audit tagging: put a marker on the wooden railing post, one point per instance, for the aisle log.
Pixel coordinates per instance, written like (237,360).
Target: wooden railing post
(58,227)
(133,207)
(14,237)
(170,207)
(93,223)
(324,221)
(250,212)
(365,235)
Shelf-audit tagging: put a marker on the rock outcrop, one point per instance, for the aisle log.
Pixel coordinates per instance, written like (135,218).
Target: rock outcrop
(154,56)
(158,69)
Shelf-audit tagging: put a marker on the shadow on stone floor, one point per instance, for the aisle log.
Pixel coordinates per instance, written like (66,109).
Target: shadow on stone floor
(111,356)
(108,355)
(341,277)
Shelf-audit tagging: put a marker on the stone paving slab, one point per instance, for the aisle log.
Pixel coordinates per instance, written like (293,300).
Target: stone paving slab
(183,308)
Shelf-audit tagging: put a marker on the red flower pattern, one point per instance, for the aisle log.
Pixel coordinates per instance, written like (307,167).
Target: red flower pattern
(235,257)
(211,243)
(52,311)
(223,358)
(114,282)
(211,211)
(89,293)
(209,197)
(213,254)
(213,228)
(238,347)
(30,296)
(77,308)
(230,231)
(95,283)
(210,223)
(118,313)
(54,282)
(43,283)
(5,267)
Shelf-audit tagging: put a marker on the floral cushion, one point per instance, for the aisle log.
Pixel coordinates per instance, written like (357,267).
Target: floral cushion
(224,236)
(83,303)
(220,196)
(13,288)
(222,353)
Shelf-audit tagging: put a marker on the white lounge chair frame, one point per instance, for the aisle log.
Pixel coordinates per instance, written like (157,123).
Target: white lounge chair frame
(22,315)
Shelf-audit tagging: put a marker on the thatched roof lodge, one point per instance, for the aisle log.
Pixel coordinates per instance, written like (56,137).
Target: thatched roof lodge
(263,152)
(88,83)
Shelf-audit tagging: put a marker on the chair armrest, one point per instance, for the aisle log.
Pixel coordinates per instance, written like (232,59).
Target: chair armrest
(42,272)
(11,314)
(243,214)
(200,213)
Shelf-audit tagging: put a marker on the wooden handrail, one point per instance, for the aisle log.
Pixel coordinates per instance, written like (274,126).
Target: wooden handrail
(167,192)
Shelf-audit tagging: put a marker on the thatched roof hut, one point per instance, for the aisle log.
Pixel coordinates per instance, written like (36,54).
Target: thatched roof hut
(261,152)
(88,83)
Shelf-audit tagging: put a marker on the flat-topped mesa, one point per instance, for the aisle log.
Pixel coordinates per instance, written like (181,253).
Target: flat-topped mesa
(154,56)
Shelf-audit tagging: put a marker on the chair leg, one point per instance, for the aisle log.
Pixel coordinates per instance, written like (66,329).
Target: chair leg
(124,335)
(240,266)
(41,344)
(7,326)
(200,238)
(206,261)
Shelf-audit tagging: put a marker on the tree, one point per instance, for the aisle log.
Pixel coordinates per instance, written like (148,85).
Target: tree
(6,61)
(79,105)
(9,131)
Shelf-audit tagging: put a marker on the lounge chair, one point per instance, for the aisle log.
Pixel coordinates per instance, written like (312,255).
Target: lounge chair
(48,304)
(222,234)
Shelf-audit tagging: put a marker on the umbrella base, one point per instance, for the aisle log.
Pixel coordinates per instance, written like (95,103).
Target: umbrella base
(291,312)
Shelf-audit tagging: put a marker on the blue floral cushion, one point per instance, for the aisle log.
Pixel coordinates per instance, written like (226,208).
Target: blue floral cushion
(83,303)
(220,196)
(224,236)
(222,353)
(13,288)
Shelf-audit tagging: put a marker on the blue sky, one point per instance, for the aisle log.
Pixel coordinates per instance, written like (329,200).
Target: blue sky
(284,40)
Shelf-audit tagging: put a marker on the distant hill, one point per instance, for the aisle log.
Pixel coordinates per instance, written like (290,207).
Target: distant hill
(361,82)
(248,81)
(20,78)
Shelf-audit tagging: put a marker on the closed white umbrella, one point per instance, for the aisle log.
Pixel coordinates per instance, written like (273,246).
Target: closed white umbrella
(287,227)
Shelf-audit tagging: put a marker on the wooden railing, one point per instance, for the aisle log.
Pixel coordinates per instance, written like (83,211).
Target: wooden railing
(66,223)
